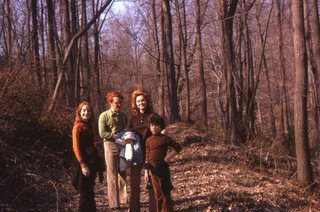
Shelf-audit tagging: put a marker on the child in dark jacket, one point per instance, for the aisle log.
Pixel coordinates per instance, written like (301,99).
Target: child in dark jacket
(157,161)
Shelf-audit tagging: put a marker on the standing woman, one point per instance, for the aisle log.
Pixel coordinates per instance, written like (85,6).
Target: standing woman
(110,123)
(84,147)
(141,111)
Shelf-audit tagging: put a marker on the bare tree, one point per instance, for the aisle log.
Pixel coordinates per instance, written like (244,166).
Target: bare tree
(35,38)
(227,13)
(168,54)
(70,47)
(282,139)
(52,55)
(304,170)
(313,85)
(203,90)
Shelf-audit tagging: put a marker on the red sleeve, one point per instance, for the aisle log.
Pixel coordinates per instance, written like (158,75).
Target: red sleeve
(76,142)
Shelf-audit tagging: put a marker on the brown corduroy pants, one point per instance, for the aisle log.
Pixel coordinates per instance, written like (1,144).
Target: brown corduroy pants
(116,181)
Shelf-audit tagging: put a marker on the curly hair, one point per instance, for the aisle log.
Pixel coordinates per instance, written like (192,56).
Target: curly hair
(110,95)
(134,95)
(78,118)
(156,119)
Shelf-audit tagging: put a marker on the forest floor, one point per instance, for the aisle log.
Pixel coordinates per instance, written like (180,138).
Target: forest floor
(208,175)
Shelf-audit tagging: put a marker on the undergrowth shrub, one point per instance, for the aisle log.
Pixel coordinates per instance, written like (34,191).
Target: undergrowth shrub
(34,144)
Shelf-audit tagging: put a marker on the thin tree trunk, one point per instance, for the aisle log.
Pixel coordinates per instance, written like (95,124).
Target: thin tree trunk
(282,139)
(43,46)
(9,27)
(96,79)
(249,106)
(304,170)
(159,69)
(227,14)
(74,52)
(315,39)
(203,90)
(69,49)
(85,89)
(71,64)
(185,61)
(264,60)
(312,70)
(35,39)
(169,62)
(52,55)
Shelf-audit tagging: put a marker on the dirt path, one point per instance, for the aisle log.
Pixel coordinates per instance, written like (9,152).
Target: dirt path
(208,176)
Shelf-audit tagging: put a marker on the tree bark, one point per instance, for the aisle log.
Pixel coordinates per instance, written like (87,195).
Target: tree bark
(169,62)
(227,14)
(85,75)
(304,170)
(282,138)
(52,55)
(35,39)
(159,68)
(69,49)
(202,82)
(313,85)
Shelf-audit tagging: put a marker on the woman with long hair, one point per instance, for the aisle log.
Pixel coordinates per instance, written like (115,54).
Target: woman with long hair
(141,111)
(83,141)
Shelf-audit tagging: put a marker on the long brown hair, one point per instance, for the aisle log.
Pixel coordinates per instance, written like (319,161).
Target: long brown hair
(139,92)
(78,118)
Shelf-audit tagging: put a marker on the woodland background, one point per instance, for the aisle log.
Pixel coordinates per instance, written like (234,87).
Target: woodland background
(244,70)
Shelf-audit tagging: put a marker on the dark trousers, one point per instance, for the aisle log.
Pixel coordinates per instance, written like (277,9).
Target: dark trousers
(162,185)
(87,202)
(135,181)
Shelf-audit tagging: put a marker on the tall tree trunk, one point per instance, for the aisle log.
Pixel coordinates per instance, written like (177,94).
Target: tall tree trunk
(85,75)
(185,60)
(227,14)
(70,67)
(35,39)
(282,139)
(52,55)
(74,52)
(315,40)
(96,79)
(315,35)
(265,65)
(313,86)
(304,169)
(43,46)
(249,105)
(203,90)
(169,62)
(70,48)
(159,68)
(9,27)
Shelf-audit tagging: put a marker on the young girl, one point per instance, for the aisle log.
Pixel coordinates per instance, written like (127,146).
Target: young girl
(157,161)
(86,154)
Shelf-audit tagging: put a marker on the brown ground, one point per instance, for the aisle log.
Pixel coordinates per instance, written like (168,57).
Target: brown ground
(208,175)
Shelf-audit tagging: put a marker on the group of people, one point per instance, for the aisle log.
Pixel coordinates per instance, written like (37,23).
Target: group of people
(143,126)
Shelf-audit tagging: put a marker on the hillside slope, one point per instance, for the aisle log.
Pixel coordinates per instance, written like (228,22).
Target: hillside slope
(208,175)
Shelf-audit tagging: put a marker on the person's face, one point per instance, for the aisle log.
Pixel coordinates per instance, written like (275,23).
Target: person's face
(85,112)
(141,103)
(155,129)
(116,104)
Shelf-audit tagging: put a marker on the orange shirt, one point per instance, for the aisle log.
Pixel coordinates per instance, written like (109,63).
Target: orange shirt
(82,141)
